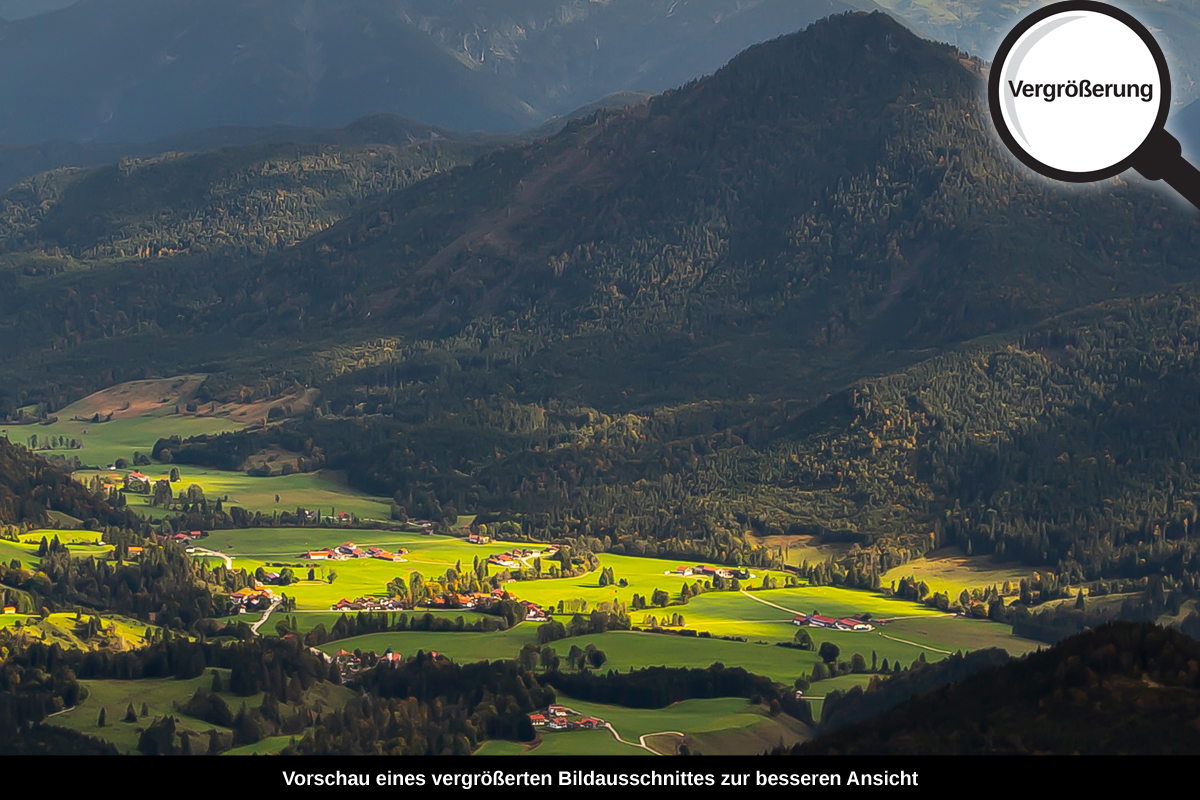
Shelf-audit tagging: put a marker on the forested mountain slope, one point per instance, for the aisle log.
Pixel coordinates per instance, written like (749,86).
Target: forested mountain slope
(245,201)
(663,308)
(18,162)
(1121,689)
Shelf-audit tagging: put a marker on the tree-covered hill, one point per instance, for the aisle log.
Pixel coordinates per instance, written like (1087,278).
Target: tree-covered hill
(643,329)
(29,488)
(239,200)
(826,199)
(1121,689)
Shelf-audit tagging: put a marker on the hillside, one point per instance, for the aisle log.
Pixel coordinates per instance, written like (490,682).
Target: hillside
(29,488)
(805,295)
(243,200)
(1121,689)
(136,70)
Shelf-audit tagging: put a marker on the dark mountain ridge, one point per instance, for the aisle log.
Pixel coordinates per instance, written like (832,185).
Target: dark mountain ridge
(1121,689)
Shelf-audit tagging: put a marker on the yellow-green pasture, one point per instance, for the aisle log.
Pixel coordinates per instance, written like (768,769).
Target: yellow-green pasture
(759,615)
(323,490)
(79,543)
(628,649)
(120,633)
(950,570)
(105,442)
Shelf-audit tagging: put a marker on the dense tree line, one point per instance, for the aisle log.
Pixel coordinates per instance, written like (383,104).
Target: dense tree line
(1122,688)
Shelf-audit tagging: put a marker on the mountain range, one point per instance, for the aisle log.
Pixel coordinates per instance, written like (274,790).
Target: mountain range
(138,70)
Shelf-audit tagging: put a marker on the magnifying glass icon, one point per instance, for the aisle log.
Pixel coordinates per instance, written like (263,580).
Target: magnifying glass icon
(1079,92)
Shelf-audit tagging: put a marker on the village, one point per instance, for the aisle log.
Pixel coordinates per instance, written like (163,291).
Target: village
(349,550)
(354,663)
(559,718)
(516,558)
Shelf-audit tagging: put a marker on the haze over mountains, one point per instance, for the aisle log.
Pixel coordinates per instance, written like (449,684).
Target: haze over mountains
(138,70)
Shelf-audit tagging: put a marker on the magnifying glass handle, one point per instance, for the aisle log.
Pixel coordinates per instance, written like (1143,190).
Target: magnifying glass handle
(1161,159)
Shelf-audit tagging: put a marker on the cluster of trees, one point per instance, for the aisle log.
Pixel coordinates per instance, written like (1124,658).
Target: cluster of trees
(365,622)
(243,201)
(430,706)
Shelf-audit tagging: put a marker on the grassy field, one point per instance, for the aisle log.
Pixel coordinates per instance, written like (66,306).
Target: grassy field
(726,725)
(960,633)
(121,633)
(795,550)
(627,650)
(587,743)
(307,620)
(267,747)
(950,570)
(105,442)
(80,543)
(499,747)
(160,696)
(145,412)
(724,613)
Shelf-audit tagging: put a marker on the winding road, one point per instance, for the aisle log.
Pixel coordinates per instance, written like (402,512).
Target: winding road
(203,551)
(266,615)
(641,742)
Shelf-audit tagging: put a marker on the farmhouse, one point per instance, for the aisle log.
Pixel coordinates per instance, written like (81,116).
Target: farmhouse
(476,538)
(384,555)
(10,609)
(682,570)
(844,624)
(538,720)
(557,711)
(851,624)
(391,658)
(138,483)
(533,612)
(323,555)
(251,598)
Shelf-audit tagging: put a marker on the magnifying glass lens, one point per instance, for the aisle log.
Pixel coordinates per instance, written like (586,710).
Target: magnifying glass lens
(1080,92)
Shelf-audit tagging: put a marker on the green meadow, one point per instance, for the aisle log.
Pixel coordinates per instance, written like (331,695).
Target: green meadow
(951,570)
(80,543)
(322,490)
(717,726)
(583,743)
(629,649)
(105,442)
(160,696)
(267,747)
